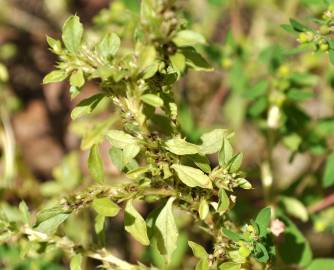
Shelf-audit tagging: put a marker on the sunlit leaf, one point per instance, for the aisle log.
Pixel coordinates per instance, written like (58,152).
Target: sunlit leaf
(180,146)
(198,250)
(135,224)
(295,208)
(55,76)
(95,164)
(188,38)
(109,45)
(76,261)
(105,207)
(168,232)
(72,33)
(192,177)
(263,220)
(212,141)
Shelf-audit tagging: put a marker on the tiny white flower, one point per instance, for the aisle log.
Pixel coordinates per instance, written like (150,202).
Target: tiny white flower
(277,227)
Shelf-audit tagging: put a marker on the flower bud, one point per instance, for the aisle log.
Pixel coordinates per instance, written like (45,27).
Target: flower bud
(243,183)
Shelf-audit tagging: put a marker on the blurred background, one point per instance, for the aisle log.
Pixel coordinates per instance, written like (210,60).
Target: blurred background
(40,156)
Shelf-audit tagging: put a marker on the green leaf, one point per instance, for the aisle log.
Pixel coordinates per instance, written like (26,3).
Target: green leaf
(321,264)
(76,261)
(259,106)
(244,251)
(108,46)
(198,250)
(168,233)
(149,72)
(261,253)
(74,91)
(178,62)
(212,141)
(55,76)
(180,147)
(299,95)
(203,209)
(177,256)
(188,38)
(232,235)
(297,26)
(328,176)
(77,78)
(95,164)
(288,28)
(130,152)
(224,202)
(243,183)
(147,56)
(86,106)
(137,173)
(192,177)
(230,266)
(117,158)
(50,226)
(203,264)
(72,33)
(147,12)
(257,90)
(293,247)
(48,213)
(120,139)
(235,163)
(95,135)
(263,220)
(201,162)
(292,141)
(135,224)
(121,162)
(24,211)
(295,208)
(226,153)
(236,257)
(325,127)
(152,100)
(195,60)
(99,223)
(305,79)
(105,207)
(54,44)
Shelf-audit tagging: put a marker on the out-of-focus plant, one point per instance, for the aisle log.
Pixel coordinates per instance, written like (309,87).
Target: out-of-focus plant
(161,166)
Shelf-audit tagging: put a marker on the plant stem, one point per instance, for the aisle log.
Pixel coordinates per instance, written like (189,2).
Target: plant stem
(324,203)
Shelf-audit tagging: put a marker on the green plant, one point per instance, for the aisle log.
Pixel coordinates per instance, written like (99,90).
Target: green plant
(188,179)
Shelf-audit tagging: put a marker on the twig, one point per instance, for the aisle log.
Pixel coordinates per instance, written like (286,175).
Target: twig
(324,203)
(235,19)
